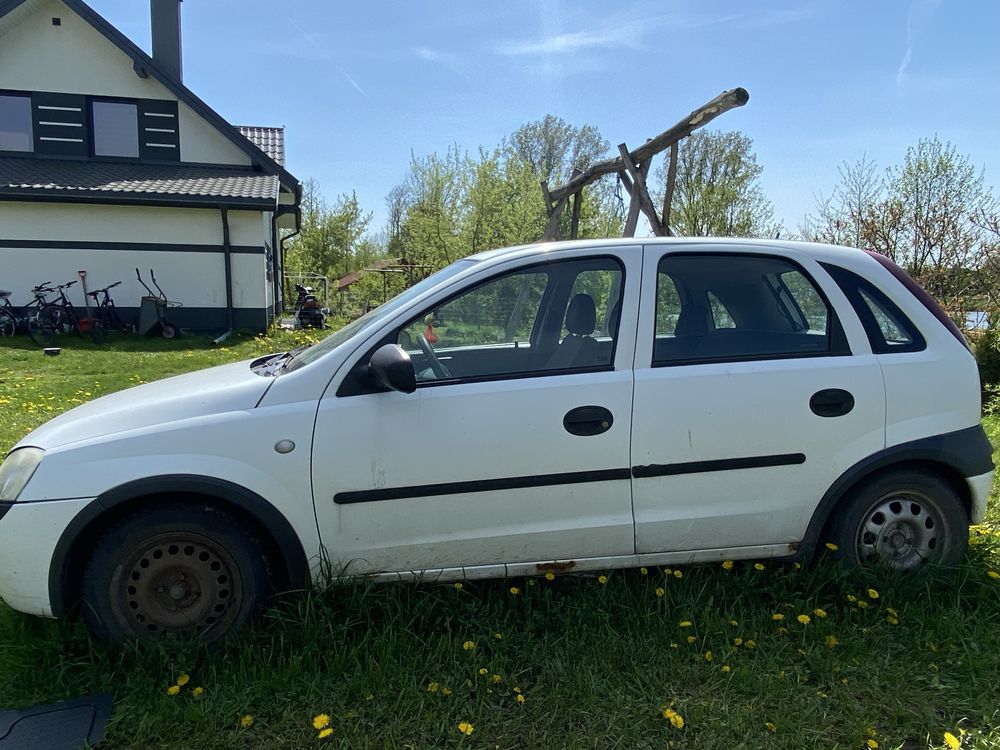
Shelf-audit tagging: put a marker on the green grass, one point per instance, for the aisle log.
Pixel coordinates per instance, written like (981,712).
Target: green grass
(596,662)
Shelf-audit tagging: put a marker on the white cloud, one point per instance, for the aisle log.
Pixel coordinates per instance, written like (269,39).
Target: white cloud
(920,11)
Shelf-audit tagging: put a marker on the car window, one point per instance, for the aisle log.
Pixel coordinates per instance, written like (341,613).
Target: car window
(560,316)
(717,307)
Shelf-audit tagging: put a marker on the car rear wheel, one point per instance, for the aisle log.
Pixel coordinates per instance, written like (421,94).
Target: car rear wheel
(186,570)
(902,520)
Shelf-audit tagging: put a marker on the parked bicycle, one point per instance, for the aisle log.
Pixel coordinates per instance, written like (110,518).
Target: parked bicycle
(29,317)
(62,317)
(106,312)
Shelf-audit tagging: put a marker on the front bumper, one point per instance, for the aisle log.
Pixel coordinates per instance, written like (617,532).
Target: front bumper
(29,532)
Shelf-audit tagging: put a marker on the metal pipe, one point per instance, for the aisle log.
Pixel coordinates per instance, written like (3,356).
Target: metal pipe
(228,261)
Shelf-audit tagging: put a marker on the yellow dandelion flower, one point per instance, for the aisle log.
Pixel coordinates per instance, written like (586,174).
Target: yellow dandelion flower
(819,612)
(751,645)
(862,604)
(173,690)
(852,598)
(733,622)
(183,680)
(804,619)
(993,574)
(324,733)
(445,692)
(770,726)
(660,592)
(465,728)
(495,678)
(673,717)
(872,744)
(550,576)
(484,671)
(952,741)
(602,580)
(692,638)
(198,692)
(498,636)
(831,641)
(644,571)
(520,698)
(891,611)
(709,656)
(246,721)
(323,720)
(431,688)
(872,594)
(831,546)
(469,684)
(457,585)
(758,566)
(514,590)
(777,616)
(678,574)
(516,689)
(531,581)
(737,641)
(667,571)
(782,631)
(821,694)
(684,624)
(673,645)
(796,565)
(469,645)
(727,564)
(891,620)
(870,732)
(725,668)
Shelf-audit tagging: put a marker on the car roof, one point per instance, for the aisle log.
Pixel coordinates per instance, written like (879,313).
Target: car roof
(815,250)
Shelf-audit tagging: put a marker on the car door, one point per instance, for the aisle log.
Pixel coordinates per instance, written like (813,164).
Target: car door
(514,446)
(749,401)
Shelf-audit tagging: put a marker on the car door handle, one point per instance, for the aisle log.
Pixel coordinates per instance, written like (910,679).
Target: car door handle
(588,420)
(831,402)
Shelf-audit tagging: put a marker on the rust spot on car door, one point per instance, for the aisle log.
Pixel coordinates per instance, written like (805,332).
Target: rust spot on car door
(556,567)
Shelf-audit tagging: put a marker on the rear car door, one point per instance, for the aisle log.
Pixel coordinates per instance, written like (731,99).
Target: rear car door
(749,398)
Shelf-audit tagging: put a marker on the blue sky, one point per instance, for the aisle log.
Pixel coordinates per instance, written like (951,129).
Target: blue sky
(358,86)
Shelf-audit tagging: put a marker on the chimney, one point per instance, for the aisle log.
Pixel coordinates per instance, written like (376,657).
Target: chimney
(165,19)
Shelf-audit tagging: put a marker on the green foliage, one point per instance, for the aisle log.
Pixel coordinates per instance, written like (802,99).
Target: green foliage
(988,356)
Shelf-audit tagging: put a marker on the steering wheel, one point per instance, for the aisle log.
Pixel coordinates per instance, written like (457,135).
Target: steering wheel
(440,371)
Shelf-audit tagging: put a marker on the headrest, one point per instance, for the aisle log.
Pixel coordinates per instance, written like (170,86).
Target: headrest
(581,316)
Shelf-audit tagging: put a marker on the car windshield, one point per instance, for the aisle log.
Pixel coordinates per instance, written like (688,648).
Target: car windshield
(335,339)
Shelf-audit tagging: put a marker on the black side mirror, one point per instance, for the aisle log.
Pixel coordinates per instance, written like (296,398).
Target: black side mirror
(391,366)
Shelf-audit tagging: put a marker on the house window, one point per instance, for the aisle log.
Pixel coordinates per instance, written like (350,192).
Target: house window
(15,123)
(116,129)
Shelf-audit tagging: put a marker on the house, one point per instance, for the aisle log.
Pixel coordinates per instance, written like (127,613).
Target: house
(109,163)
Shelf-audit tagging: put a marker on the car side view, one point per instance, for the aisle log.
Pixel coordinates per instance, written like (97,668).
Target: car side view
(566,406)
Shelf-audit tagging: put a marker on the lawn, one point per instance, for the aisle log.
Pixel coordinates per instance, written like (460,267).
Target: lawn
(698,657)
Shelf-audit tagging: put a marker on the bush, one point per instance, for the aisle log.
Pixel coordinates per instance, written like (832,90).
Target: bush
(988,356)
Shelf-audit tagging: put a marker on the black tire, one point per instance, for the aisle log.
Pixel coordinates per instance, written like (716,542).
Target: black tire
(901,520)
(41,326)
(8,324)
(168,331)
(182,569)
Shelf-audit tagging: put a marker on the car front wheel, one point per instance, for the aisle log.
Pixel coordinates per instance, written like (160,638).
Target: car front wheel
(902,520)
(182,569)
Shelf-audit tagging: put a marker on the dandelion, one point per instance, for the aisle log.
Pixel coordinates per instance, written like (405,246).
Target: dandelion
(644,571)
(483,671)
(782,631)
(431,688)
(891,620)
(725,668)
(872,594)
(804,619)
(777,617)
(198,692)
(862,604)
(821,694)
(173,690)
(550,576)
(673,645)
(495,678)
(891,611)
(852,598)
(709,656)
(667,572)
(531,581)
(692,638)
(673,717)
(514,590)
(831,641)
(758,566)
(678,574)
(445,692)
(727,564)
(602,580)
(660,592)
(498,636)
(771,726)
(831,546)
(737,641)
(684,624)
(465,728)
(324,733)
(516,689)
(870,732)
(871,743)
(520,698)
(469,645)
(993,574)
(246,721)
(323,720)
(457,585)
(183,680)
(952,741)
(819,612)
(733,623)
(751,645)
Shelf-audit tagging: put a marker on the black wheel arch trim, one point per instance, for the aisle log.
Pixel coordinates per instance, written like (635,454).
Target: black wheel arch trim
(296,565)
(967,452)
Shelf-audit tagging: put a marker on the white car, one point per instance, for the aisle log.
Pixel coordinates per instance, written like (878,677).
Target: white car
(567,407)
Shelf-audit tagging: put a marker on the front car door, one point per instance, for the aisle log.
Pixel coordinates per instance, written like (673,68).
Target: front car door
(514,447)
(749,400)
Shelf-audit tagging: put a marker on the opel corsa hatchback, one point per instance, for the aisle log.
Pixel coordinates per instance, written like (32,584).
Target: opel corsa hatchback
(566,406)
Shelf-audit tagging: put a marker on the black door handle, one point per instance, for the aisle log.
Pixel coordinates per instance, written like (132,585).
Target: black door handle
(588,420)
(832,402)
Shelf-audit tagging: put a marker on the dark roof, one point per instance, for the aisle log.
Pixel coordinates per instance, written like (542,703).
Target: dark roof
(123,182)
(269,140)
(145,65)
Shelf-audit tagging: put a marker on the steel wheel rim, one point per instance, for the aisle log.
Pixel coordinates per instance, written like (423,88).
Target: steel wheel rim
(181,583)
(901,530)
(8,326)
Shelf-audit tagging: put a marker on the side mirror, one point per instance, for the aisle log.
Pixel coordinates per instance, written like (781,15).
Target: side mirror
(391,366)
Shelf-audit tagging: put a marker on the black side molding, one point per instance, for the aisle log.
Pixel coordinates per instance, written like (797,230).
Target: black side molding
(722,464)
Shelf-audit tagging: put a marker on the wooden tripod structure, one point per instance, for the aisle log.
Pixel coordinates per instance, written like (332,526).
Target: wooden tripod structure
(632,168)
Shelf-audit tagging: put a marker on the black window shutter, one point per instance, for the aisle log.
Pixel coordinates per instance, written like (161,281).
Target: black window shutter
(60,123)
(159,131)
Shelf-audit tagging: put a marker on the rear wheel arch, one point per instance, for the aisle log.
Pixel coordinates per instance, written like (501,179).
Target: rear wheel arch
(258,515)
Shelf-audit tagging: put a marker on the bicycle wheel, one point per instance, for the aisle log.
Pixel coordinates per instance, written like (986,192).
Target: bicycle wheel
(96,330)
(43,325)
(8,324)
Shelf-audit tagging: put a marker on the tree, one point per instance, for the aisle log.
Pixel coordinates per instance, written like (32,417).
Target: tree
(718,192)
(841,218)
(553,148)
(330,236)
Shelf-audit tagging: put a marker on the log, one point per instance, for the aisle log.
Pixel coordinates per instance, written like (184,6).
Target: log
(668,195)
(700,117)
(639,192)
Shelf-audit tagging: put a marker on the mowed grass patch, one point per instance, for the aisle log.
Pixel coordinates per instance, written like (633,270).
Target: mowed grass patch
(597,661)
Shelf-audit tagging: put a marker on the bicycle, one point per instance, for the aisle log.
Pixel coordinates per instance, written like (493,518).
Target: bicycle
(27,317)
(106,312)
(62,317)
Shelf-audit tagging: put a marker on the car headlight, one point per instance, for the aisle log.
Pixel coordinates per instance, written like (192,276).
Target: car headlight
(16,470)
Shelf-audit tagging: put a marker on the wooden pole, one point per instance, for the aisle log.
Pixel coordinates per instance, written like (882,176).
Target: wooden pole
(668,195)
(574,226)
(639,193)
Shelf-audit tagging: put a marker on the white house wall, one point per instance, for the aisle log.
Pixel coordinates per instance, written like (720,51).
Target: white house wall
(74,58)
(52,241)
